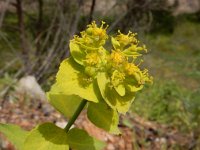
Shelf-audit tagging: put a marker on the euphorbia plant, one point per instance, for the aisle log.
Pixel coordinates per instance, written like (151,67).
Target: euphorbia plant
(102,80)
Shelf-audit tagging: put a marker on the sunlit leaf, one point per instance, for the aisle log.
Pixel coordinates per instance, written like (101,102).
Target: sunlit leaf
(120,89)
(14,133)
(72,81)
(103,116)
(46,137)
(132,85)
(112,98)
(133,88)
(66,104)
(80,140)
(76,52)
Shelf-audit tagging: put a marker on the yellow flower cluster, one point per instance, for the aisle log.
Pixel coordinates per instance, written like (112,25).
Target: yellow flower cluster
(93,37)
(92,59)
(118,62)
(116,57)
(125,40)
(131,68)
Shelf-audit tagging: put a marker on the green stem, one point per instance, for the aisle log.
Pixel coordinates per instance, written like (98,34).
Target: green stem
(75,115)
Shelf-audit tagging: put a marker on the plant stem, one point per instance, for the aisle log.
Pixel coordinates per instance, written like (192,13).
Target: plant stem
(75,115)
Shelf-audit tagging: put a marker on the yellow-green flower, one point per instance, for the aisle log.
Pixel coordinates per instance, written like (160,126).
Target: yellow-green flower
(87,50)
(116,57)
(128,44)
(94,73)
(93,38)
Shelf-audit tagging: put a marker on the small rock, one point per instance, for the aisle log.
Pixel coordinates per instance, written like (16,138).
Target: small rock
(110,146)
(30,87)
(61,124)
(110,138)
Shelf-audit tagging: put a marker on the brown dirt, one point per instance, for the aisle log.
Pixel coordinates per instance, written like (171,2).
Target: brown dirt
(138,134)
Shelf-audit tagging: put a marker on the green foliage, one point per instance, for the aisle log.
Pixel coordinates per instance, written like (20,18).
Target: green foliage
(170,104)
(46,137)
(80,140)
(112,98)
(77,54)
(193,107)
(71,81)
(103,117)
(165,100)
(179,52)
(163,22)
(193,18)
(7,80)
(14,133)
(50,137)
(61,101)
(173,101)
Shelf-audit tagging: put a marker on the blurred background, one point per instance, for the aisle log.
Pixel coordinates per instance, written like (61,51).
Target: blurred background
(34,39)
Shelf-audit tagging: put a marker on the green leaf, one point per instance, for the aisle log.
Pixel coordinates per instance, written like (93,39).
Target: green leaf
(132,85)
(80,140)
(127,123)
(112,98)
(120,90)
(76,52)
(46,137)
(72,81)
(103,117)
(133,88)
(65,104)
(14,133)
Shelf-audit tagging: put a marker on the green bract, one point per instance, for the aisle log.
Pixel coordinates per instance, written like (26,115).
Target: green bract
(71,80)
(111,96)
(103,117)
(61,101)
